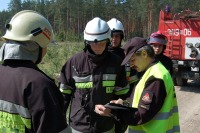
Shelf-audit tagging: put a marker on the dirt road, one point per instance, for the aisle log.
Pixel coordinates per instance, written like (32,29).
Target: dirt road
(189,107)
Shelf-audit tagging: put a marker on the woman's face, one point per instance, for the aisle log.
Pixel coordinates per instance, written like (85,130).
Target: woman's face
(116,39)
(158,48)
(138,62)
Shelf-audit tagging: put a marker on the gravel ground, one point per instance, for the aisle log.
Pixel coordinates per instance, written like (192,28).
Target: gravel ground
(189,107)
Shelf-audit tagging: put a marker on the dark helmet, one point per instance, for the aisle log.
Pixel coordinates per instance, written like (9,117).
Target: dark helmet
(157,37)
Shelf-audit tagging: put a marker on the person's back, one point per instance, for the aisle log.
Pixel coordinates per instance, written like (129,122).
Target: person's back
(91,77)
(29,100)
(22,84)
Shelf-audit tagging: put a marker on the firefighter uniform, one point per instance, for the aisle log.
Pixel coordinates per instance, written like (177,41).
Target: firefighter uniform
(29,100)
(88,79)
(155,100)
(131,75)
(117,35)
(119,127)
(158,39)
(118,51)
(166,61)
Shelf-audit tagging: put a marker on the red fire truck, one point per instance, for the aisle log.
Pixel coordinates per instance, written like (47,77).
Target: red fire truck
(183,33)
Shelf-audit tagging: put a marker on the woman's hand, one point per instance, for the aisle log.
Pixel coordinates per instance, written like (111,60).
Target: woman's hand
(119,101)
(103,111)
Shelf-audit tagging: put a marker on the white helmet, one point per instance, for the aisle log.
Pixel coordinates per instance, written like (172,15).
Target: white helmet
(96,30)
(115,25)
(28,25)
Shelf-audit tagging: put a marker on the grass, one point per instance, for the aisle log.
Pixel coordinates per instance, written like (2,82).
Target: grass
(57,55)
(55,58)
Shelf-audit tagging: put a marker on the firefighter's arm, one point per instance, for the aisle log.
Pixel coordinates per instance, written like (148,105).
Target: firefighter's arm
(121,84)
(124,115)
(65,85)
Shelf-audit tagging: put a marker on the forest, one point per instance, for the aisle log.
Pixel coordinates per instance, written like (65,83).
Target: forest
(69,17)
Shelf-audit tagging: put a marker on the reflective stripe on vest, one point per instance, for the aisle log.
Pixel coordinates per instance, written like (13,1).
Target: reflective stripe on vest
(13,118)
(175,129)
(166,115)
(167,119)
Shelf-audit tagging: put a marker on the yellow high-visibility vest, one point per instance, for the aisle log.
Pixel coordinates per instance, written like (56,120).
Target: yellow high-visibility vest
(167,119)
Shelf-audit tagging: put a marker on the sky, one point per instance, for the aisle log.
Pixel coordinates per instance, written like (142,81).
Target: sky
(4,4)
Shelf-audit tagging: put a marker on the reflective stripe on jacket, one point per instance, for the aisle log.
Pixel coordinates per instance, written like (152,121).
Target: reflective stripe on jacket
(131,74)
(167,119)
(30,101)
(14,118)
(88,80)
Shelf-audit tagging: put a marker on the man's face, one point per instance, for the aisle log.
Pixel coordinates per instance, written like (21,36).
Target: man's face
(116,39)
(98,47)
(138,62)
(158,48)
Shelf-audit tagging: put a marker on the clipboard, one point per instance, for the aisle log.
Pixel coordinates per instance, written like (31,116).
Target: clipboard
(118,106)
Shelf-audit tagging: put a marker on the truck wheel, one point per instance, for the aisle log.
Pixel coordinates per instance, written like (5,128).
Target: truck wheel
(181,82)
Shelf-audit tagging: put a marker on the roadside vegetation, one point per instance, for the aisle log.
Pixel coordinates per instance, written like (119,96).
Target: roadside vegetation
(69,17)
(57,55)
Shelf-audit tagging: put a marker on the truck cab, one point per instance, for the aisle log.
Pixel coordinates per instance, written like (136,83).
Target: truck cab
(183,33)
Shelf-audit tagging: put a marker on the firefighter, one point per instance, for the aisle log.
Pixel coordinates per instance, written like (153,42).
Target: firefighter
(93,76)
(154,104)
(29,99)
(117,35)
(159,41)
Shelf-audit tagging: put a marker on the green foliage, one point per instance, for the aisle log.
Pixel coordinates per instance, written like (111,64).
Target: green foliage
(61,36)
(69,17)
(71,36)
(1,34)
(57,55)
